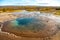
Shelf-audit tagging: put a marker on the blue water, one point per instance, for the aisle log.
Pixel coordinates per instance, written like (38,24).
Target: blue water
(24,21)
(28,23)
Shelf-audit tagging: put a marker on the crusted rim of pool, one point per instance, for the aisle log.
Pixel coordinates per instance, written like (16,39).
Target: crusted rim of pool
(49,30)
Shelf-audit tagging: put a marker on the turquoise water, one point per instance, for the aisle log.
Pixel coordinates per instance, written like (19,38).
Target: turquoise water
(25,21)
(14,23)
(22,22)
(28,23)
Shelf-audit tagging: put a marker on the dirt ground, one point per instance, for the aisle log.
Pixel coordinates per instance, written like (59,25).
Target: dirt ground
(7,36)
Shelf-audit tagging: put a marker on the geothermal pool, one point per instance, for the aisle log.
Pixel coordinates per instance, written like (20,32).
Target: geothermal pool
(32,24)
